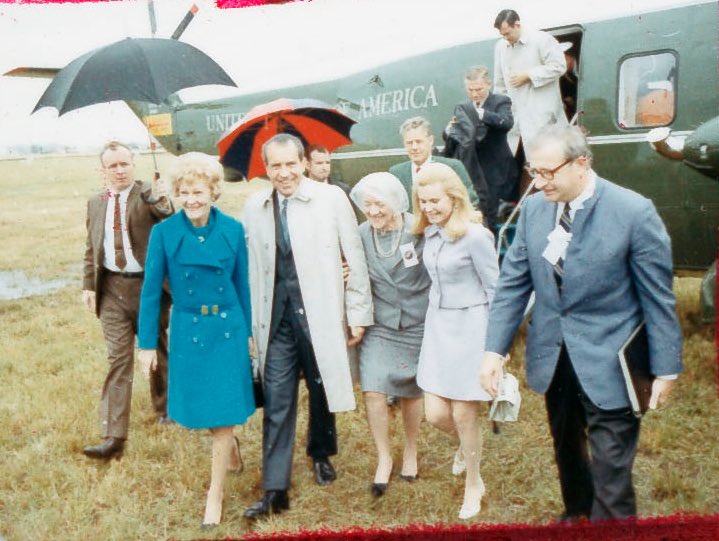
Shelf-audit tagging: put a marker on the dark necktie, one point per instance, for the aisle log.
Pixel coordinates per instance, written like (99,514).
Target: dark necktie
(565,222)
(120,260)
(417,170)
(283,224)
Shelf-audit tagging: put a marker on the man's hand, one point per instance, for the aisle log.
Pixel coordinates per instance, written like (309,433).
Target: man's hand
(490,371)
(148,360)
(88,299)
(519,79)
(251,347)
(450,124)
(661,389)
(345,272)
(357,334)
(159,189)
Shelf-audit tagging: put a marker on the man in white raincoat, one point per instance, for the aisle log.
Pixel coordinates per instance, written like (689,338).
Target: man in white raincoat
(298,232)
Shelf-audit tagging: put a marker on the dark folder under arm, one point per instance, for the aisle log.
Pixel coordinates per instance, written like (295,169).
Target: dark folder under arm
(634,360)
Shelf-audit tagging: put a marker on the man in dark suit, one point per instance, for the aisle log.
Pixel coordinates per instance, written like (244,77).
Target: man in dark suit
(477,135)
(599,260)
(319,167)
(418,141)
(119,220)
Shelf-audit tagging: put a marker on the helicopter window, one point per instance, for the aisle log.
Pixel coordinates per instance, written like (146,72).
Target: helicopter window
(647,90)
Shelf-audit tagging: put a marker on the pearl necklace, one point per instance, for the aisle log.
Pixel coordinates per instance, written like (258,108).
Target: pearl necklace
(394,244)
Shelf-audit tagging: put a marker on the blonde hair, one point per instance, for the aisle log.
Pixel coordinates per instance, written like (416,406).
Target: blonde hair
(462,212)
(198,167)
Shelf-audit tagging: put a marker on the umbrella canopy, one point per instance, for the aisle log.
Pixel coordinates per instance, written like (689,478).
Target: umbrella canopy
(313,121)
(140,69)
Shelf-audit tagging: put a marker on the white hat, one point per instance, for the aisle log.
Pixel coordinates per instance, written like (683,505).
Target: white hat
(382,186)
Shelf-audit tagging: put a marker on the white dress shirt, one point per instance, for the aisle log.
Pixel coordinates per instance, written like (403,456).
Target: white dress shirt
(109,240)
(414,167)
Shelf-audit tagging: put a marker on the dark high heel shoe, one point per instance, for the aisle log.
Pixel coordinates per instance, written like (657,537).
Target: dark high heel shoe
(378,489)
(409,478)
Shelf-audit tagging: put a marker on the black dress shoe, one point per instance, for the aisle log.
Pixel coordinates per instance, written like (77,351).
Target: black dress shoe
(378,489)
(409,478)
(110,447)
(273,501)
(324,472)
(566,518)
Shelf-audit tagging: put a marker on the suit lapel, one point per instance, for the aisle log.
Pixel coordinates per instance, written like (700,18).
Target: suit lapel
(545,225)
(99,215)
(132,200)
(372,260)
(582,215)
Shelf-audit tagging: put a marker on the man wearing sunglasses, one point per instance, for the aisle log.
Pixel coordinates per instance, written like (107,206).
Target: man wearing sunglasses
(598,258)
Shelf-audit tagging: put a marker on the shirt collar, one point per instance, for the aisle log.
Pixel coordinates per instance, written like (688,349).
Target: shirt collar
(299,193)
(523,39)
(123,194)
(426,162)
(578,202)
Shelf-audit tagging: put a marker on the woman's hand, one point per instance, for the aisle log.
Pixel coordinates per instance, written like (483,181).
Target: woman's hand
(356,334)
(148,360)
(252,348)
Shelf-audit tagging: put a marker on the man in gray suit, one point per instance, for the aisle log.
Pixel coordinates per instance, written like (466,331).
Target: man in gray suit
(418,141)
(599,260)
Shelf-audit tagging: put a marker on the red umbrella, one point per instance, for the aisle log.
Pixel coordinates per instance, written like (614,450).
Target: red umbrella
(313,121)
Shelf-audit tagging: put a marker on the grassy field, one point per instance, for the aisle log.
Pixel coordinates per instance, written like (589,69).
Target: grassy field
(52,365)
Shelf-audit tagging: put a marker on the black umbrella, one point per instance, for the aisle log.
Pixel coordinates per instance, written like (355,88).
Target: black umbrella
(138,69)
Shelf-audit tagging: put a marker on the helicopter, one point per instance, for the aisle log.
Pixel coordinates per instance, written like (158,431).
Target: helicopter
(645,95)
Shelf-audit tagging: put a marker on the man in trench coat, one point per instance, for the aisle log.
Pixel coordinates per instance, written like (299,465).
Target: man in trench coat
(298,231)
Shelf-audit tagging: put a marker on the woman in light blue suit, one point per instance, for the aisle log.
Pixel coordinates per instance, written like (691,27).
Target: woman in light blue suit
(462,263)
(202,253)
(390,349)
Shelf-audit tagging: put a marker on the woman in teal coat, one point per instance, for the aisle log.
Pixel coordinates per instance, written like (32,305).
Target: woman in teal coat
(203,255)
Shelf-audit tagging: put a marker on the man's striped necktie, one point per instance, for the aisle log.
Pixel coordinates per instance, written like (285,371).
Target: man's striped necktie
(565,222)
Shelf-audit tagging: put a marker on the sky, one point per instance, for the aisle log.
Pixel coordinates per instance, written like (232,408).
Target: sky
(260,47)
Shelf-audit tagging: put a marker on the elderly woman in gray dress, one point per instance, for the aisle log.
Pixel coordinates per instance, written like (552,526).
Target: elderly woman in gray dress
(462,263)
(390,349)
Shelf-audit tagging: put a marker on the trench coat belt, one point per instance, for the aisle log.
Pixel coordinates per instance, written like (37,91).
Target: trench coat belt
(205,309)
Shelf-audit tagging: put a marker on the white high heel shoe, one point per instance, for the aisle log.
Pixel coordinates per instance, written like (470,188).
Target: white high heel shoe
(458,466)
(468,511)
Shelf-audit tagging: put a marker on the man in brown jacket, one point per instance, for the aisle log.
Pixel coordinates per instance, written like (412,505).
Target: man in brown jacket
(119,220)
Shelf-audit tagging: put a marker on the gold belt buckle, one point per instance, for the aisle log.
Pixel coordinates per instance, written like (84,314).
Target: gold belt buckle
(215,309)
(204,310)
